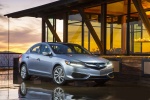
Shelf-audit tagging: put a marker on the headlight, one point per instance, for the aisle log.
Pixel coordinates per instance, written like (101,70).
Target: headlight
(109,63)
(75,64)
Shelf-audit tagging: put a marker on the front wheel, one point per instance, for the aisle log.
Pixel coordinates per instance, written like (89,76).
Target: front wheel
(59,75)
(24,73)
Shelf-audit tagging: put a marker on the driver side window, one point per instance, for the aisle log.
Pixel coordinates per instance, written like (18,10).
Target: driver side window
(45,48)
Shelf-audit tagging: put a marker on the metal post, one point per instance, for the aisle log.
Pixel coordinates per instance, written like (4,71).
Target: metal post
(82,36)
(43,31)
(128,28)
(65,30)
(111,33)
(103,26)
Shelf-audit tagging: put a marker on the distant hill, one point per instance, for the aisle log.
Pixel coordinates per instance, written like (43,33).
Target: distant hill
(6,52)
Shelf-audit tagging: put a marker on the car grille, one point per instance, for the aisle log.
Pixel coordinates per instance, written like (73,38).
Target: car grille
(97,66)
(78,75)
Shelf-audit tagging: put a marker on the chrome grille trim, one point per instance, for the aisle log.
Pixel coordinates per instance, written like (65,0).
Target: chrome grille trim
(97,66)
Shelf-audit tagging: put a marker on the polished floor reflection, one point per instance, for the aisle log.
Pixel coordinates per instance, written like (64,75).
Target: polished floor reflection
(44,89)
(37,90)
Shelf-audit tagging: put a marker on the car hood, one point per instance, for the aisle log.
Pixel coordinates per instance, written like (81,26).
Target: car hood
(86,58)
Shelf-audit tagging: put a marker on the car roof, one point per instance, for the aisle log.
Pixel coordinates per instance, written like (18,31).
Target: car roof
(58,43)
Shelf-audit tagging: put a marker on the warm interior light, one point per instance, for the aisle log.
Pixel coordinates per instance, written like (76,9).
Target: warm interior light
(142,40)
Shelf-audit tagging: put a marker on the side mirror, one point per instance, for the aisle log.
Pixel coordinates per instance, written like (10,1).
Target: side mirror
(47,53)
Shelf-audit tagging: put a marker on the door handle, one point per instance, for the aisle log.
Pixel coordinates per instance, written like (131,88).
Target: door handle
(38,59)
(27,57)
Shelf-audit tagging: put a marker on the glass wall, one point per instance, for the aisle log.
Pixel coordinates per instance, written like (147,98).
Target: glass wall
(75,29)
(89,41)
(116,28)
(125,31)
(58,27)
(49,33)
(139,35)
(75,32)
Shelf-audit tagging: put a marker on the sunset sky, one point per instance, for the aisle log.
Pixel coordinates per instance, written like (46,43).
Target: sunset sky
(25,31)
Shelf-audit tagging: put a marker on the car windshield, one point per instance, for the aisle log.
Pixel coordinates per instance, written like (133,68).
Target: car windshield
(68,49)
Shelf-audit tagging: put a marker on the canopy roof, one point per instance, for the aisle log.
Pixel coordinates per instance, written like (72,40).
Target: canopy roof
(56,7)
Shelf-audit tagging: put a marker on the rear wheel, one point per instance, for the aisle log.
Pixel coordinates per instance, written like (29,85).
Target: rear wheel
(59,75)
(23,89)
(24,73)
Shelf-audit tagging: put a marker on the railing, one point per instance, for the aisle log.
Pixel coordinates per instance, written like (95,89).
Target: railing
(6,59)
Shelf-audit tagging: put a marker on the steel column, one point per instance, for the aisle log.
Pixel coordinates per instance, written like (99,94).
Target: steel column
(111,33)
(103,26)
(128,28)
(82,36)
(43,31)
(65,30)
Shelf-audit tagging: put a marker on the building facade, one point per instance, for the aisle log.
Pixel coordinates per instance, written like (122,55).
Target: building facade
(108,27)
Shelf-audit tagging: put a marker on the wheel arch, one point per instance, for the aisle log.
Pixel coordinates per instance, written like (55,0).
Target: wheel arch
(57,64)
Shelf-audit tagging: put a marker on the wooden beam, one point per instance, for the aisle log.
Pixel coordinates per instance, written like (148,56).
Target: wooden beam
(52,29)
(91,29)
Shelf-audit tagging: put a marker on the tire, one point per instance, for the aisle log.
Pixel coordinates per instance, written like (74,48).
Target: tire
(24,72)
(23,89)
(101,81)
(59,76)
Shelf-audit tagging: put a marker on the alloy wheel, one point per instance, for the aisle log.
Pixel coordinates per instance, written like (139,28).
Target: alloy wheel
(59,75)
(23,72)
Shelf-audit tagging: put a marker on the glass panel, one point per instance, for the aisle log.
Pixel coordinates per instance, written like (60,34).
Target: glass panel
(116,28)
(74,32)
(49,33)
(140,39)
(86,38)
(59,28)
(93,46)
(94,18)
(146,44)
(89,42)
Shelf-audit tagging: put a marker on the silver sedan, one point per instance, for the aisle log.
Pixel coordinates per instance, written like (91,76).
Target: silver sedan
(64,62)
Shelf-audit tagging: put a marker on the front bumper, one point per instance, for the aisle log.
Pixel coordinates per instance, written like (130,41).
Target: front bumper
(73,73)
